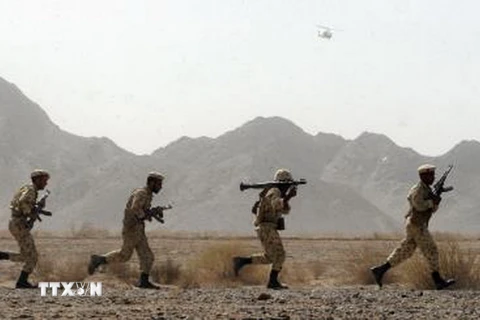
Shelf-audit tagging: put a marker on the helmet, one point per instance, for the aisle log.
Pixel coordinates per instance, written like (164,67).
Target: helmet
(283,175)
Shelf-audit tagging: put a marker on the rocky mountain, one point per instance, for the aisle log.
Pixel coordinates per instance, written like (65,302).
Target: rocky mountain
(355,186)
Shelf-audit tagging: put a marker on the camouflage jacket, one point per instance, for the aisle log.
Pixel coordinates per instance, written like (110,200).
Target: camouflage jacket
(271,207)
(421,204)
(24,201)
(138,203)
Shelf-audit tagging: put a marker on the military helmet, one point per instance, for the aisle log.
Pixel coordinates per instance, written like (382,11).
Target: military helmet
(282,175)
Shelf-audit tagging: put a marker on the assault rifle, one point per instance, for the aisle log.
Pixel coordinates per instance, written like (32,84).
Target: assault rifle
(38,210)
(439,186)
(271,184)
(157,213)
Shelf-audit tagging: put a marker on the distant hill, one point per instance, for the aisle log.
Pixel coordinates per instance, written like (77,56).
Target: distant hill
(354,186)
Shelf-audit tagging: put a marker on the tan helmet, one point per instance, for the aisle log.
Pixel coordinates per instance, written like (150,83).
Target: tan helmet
(283,175)
(156,175)
(39,173)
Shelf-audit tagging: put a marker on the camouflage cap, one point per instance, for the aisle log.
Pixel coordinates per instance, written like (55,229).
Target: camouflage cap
(282,175)
(426,168)
(39,173)
(156,175)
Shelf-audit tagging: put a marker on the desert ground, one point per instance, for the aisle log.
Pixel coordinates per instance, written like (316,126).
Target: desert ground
(328,279)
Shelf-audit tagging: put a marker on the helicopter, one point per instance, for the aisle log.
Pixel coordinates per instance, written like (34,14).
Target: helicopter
(325,32)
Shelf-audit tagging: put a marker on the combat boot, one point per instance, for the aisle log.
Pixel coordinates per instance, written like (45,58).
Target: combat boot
(4,256)
(440,283)
(273,282)
(144,283)
(95,262)
(379,271)
(239,263)
(22,282)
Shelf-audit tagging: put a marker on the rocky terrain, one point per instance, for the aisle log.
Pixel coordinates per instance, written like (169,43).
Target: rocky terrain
(327,280)
(244,303)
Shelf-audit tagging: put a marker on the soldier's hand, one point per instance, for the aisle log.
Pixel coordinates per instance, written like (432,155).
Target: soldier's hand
(291,192)
(436,200)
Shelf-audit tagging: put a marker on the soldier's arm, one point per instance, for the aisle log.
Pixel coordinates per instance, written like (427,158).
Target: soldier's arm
(420,200)
(138,203)
(278,203)
(26,202)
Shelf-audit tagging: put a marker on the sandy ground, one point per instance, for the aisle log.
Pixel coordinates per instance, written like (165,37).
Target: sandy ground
(319,298)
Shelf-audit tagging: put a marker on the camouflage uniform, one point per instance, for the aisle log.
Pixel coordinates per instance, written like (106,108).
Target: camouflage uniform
(133,232)
(22,208)
(423,203)
(270,209)
(421,209)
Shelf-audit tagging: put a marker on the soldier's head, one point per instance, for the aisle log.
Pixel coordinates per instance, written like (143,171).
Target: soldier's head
(40,178)
(426,173)
(283,175)
(155,181)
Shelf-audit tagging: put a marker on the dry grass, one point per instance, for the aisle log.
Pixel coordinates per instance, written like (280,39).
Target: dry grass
(455,263)
(88,230)
(127,272)
(166,272)
(355,264)
(213,267)
(66,268)
(297,273)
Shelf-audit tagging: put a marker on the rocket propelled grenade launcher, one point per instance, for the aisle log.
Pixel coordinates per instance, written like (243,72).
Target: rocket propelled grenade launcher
(271,184)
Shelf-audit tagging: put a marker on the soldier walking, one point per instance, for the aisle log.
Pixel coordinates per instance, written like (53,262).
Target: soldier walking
(133,233)
(268,213)
(24,213)
(423,204)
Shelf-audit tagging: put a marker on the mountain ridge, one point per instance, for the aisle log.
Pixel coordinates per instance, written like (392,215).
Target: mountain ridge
(354,186)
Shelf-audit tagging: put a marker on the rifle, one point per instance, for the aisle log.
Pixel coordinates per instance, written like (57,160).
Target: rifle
(38,210)
(271,184)
(157,213)
(438,187)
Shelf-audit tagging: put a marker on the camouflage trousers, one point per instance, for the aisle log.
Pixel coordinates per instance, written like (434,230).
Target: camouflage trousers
(28,252)
(274,252)
(416,236)
(133,239)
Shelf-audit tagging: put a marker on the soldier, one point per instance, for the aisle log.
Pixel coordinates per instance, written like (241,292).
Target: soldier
(422,205)
(273,203)
(133,233)
(23,207)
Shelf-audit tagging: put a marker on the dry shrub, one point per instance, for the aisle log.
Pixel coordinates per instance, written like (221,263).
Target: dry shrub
(213,267)
(166,272)
(317,269)
(454,263)
(296,273)
(123,271)
(66,268)
(355,264)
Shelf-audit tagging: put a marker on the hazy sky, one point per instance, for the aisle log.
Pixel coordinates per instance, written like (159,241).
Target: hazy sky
(145,73)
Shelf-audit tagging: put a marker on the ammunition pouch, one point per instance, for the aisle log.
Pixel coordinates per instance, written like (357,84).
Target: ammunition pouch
(281,224)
